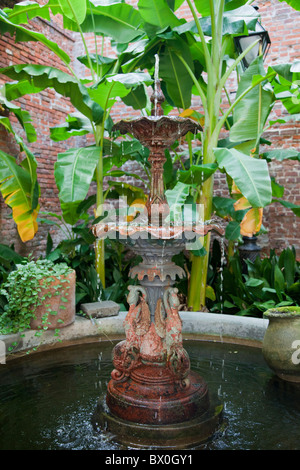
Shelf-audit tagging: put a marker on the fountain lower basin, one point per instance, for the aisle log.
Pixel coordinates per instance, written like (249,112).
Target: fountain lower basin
(53,383)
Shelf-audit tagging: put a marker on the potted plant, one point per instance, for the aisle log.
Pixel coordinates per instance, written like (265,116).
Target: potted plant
(40,295)
(281,344)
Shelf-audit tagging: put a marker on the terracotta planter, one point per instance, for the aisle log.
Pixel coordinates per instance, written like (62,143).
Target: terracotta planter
(56,302)
(281,344)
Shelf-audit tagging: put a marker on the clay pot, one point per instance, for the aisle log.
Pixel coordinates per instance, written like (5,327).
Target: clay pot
(281,344)
(64,316)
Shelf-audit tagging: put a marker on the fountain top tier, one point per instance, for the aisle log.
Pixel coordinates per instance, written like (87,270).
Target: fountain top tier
(157,132)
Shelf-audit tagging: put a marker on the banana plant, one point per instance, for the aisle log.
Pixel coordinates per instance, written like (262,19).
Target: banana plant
(153,27)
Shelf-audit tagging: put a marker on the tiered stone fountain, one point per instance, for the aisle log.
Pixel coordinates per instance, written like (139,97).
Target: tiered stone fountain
(153,397)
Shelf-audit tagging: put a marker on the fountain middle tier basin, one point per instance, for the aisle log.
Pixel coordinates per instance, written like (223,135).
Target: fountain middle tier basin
(156,245)
(129,232)
(153,130)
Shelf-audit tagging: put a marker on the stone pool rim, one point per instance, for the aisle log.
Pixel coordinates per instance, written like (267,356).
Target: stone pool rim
(205,326)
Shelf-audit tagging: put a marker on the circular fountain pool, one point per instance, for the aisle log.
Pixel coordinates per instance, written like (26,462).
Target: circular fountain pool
(48,399)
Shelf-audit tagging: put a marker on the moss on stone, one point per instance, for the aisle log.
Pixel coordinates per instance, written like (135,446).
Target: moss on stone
(283,312)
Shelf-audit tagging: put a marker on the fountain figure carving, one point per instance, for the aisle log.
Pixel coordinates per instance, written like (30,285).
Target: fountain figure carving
(153,397)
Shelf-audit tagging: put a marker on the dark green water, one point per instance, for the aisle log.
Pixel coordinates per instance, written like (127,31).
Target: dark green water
(47,400)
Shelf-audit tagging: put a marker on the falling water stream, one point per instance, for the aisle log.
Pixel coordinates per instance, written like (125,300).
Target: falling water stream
(156,79)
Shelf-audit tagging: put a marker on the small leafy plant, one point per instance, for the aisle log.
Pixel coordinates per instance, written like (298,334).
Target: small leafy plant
(28,287)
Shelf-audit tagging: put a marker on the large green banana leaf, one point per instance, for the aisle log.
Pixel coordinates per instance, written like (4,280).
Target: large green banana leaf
(235,21)
(251,113)
(22,115)
(250,174)
(25,11)
(22,12)
(29,163)
(73,172)
(41,77)
(74,9)
(158,14)
(117,20)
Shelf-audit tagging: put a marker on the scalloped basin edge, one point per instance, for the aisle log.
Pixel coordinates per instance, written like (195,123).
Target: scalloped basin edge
(204,326)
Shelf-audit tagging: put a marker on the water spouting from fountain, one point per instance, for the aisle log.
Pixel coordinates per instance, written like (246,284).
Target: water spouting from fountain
(156,81)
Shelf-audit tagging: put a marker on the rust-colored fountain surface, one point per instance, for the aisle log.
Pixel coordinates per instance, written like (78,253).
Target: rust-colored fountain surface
(153,397)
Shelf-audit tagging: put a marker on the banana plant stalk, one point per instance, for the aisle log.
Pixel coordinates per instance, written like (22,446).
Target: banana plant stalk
(99,244)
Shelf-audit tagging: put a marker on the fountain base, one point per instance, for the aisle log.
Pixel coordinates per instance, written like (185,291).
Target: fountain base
(151,396)
(187,434)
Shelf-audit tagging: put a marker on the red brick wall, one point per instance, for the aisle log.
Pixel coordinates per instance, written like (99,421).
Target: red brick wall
(47,109)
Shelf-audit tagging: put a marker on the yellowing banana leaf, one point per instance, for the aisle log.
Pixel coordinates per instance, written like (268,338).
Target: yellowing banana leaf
(242,204)
(251,222)
(16,188)
(137,207)
(192,114)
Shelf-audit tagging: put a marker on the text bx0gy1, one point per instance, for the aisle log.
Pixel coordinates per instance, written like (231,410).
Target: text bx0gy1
(137,459)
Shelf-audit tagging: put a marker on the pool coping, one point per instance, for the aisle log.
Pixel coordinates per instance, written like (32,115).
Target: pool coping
(203,326)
